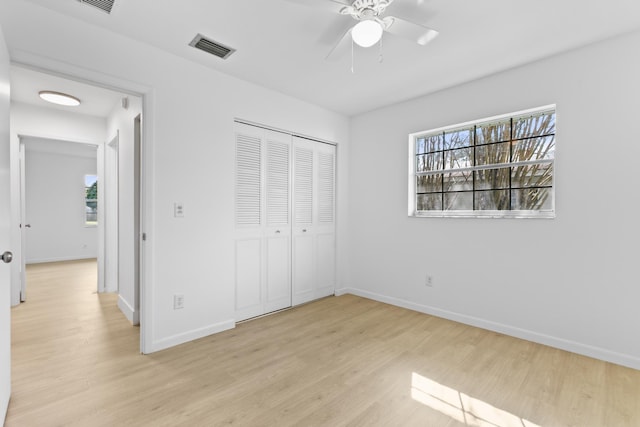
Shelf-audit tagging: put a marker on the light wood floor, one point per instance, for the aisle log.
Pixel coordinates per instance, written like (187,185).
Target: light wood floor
(338,361)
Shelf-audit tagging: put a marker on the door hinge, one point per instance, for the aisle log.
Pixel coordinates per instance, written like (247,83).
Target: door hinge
(144,237)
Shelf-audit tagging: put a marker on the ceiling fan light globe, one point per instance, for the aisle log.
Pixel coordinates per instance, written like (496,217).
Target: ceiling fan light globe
(367,33)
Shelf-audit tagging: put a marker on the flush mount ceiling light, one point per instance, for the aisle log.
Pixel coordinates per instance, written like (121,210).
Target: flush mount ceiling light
(367,33)
(59,98)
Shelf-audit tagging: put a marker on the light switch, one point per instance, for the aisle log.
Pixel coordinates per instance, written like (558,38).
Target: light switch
(178,210)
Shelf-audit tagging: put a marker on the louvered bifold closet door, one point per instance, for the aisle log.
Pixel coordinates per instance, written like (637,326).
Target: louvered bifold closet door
(278,228)
(313,254)
(248,219)
(303,256)
(326,225)
(263,221)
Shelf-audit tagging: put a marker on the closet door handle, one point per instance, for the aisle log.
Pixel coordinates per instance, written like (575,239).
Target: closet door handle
(277,231)
(304,230)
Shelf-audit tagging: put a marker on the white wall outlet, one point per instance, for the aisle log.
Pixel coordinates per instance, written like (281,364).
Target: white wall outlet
(178,210)
(428,281)
(178,301)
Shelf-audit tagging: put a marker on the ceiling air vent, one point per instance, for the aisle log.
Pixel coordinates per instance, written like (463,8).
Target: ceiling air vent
(104,5)
(209,46)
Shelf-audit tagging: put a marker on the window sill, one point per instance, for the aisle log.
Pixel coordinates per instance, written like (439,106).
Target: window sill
(484,214)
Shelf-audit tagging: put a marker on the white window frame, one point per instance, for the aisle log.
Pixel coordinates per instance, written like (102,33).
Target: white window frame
(412,205)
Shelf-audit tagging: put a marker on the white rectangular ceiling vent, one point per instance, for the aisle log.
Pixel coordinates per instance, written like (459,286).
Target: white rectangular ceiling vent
(104,5)
(209,46)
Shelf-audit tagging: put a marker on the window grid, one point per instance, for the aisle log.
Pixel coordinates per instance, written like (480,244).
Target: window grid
(437,147)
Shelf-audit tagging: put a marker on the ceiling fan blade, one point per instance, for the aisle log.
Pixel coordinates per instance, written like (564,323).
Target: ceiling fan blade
(409,30)
(337,6)
(338,49)
(341,6)
(414,11)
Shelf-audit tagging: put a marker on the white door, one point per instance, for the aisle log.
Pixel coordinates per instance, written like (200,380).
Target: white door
(263,223)
(313,231)
(277,231)
(248,219)
(325,225)
(5,203)
(303,256)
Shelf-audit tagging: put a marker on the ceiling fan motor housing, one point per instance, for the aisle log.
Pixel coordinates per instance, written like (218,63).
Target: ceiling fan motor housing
(367,9)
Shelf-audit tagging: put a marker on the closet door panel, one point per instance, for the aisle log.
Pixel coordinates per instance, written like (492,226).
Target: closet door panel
(326,265)
(248,222)
(303,269)
(277,230)
(326,185)
(278,292)
(303,256)
(303,183)
(248,278)
(248,203)
(277,181)
(325,226)
(263,221)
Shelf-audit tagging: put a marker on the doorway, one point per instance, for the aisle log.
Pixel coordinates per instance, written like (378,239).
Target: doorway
(111,122)
(59,204)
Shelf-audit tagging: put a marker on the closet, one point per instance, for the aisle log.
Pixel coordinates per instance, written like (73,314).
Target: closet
(284,220)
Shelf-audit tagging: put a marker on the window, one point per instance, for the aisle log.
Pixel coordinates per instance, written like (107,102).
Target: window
(90,200)
(498,167)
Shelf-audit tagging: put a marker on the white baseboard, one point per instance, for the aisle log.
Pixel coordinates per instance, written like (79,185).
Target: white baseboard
(192,335)
(58,259)
(560,343)
(132,314)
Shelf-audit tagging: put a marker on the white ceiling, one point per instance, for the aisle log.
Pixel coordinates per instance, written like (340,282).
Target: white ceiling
(282,44)
(95,101)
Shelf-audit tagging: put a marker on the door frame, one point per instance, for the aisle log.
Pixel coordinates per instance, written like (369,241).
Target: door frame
(146,93)
(6,235)
(20,187)
(20,258)
(111,192)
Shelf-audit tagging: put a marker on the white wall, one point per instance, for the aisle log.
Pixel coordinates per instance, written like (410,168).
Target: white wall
(55,206)
(120,125)
(570,282)
(189,113)
(28,120)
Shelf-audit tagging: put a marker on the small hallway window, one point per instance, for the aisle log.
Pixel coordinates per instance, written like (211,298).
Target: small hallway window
(91,200)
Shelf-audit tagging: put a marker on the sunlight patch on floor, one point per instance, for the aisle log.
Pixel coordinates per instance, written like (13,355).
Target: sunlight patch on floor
(461,407)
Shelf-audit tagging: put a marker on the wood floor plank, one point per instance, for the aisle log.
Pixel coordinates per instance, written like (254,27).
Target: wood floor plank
(339,361)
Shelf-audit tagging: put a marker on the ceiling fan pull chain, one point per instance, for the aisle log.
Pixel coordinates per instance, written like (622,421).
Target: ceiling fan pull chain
(352,72)
(380,57)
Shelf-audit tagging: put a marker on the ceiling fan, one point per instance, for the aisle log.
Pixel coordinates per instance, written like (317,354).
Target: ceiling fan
(372,24)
